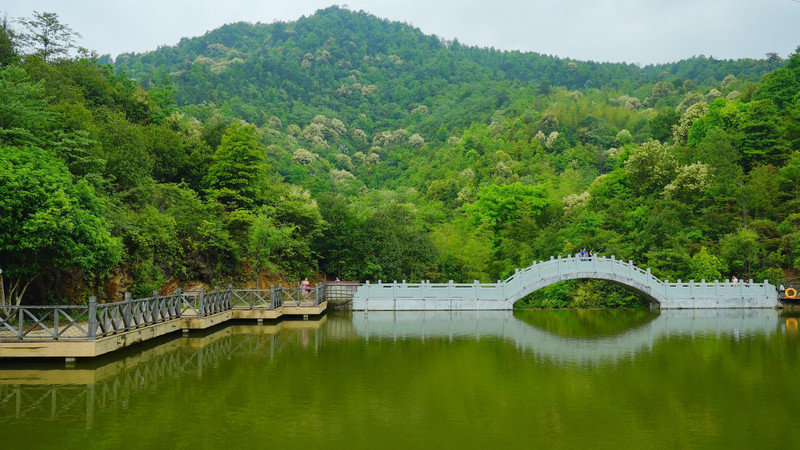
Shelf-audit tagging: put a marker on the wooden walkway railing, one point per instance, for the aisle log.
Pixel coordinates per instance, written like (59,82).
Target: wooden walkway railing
(93,321)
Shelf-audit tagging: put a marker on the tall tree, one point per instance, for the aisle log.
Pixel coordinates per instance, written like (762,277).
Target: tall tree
(762,135)
(47,36)
(8,44)
(23,118)
(236,177)
(47,221)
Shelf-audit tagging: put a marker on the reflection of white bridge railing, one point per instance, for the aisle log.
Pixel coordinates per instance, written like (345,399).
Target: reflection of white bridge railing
(573,349)
(503,294)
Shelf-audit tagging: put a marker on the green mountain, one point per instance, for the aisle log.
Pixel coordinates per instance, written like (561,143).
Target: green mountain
(348,64)
(346,145)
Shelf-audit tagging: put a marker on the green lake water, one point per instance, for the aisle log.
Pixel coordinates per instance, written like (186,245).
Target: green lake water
(523,379)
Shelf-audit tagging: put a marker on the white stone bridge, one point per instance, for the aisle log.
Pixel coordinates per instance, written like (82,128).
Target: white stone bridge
(502,295)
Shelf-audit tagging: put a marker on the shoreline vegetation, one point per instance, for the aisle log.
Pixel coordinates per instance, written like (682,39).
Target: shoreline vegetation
(344,145)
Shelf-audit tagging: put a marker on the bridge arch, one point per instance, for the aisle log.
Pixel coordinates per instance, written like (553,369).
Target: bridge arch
(546,273)
(631,285)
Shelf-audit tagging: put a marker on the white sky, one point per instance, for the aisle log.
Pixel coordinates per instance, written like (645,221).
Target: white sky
(634,31)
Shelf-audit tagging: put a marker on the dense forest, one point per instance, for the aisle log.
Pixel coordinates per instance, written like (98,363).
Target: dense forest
(345,145)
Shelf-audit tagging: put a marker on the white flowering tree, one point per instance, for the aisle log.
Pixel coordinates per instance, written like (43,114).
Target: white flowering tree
(303,157)
(650,166)
(690,183)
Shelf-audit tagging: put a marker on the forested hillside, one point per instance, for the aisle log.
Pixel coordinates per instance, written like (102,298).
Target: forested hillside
(342,144)
(352,64)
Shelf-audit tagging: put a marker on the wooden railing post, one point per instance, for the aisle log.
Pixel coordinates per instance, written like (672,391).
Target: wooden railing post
(179,298)
(156,312)
(92,332)
(217,301)
(201,303)
(272,296)
(20,322)
(127,314)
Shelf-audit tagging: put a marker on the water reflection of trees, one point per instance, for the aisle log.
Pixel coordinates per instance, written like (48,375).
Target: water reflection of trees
(580,323)
(81,395)
(78,394)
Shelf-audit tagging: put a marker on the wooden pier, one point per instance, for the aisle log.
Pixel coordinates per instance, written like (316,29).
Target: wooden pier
(86,331)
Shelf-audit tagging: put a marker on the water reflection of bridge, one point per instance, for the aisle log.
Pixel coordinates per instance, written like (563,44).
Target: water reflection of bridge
(507,326)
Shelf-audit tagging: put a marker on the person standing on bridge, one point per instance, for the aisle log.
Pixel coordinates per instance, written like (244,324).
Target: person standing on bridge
(305,286)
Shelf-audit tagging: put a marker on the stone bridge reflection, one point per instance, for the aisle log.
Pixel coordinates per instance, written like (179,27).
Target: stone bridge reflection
(516,328)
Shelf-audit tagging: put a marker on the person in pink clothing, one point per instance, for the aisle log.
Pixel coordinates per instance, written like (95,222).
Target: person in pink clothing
(305,285)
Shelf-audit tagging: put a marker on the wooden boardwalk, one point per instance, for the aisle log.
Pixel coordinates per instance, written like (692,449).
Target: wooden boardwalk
(92,330)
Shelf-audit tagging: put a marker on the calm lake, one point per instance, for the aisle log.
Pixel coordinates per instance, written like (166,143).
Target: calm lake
(522,379)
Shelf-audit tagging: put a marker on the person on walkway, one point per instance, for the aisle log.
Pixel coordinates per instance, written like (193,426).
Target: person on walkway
(781,290)
(734,280)
(305,286)
(583,254)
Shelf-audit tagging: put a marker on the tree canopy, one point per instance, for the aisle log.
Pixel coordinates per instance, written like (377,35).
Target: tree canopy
(346,145)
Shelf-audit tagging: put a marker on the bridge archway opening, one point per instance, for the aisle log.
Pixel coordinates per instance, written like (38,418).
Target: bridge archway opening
(587,293)
(587,323)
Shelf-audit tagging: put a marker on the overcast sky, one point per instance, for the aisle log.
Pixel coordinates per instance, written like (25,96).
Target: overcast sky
(634,31)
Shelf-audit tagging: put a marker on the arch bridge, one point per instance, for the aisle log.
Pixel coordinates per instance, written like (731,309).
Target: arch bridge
(503,294)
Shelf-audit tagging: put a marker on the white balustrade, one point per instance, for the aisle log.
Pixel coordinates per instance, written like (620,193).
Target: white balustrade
(503,294)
